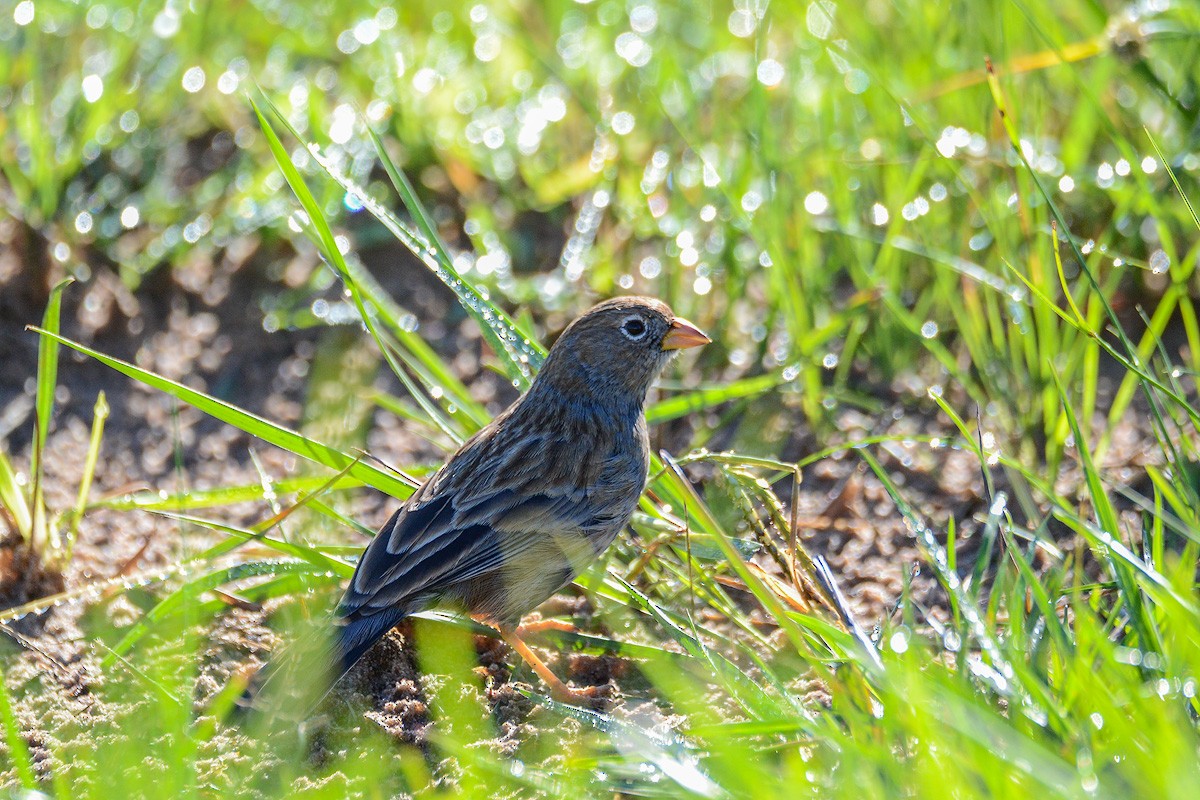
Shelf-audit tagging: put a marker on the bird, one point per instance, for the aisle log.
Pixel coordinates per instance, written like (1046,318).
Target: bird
(531,500)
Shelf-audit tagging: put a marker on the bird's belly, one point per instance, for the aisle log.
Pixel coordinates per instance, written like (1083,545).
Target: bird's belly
(528,578)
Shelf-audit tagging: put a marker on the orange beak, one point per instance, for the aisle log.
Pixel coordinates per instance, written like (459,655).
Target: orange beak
(683,334)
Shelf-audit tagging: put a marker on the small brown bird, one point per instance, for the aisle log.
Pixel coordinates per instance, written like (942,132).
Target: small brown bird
(535,497)
(531,500)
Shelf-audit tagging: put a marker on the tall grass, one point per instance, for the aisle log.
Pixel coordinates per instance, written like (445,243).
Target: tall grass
(982,214)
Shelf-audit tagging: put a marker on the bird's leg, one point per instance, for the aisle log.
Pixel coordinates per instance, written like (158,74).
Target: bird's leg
(558,690)
(543,625)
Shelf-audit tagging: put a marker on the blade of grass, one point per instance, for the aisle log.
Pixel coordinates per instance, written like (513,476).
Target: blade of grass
(40,537)
(12,498)
(252,424)
(99,415)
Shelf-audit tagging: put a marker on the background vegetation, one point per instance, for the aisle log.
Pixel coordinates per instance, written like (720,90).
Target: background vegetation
(860,212)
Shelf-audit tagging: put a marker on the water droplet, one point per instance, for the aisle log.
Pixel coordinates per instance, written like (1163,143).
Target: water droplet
(770,72)
(23,13)
(643,18)
(1160,262)
(751,200)
(622,123)
(633,49)
(650,267)
(742,23)
(193,80)
(93,88)
(929,329)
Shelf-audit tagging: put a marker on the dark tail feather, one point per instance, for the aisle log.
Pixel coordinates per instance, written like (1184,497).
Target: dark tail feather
(294,682)
(356,636)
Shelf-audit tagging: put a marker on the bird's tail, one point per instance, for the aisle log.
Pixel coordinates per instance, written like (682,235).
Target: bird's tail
(357,634)
(295,681)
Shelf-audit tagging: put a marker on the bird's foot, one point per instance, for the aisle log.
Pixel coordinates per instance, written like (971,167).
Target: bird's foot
(596,698)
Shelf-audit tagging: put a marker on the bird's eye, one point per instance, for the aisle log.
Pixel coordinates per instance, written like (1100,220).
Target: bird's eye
(634,328)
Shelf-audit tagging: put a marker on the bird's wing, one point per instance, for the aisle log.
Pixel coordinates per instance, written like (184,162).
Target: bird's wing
(451,532)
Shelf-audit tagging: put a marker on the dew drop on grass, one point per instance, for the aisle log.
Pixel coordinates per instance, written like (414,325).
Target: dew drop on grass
(23,13)
(929,329)
(93,87)
(830,360)
(742,23)
(770,72)
(193,80)
(979,241)
(1160,262)
(816,203)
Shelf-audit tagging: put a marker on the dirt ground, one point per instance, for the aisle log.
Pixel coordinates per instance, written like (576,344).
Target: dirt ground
(177,325)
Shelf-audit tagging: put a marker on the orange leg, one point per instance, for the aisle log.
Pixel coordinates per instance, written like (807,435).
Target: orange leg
(541,625)
(558,690)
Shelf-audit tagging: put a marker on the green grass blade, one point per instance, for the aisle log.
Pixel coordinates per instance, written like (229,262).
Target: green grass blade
(682,405)
(252,424)
(99,415)
(12,498)
(40,536)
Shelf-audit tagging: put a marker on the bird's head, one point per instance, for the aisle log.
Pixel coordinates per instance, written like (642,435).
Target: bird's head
(618,348)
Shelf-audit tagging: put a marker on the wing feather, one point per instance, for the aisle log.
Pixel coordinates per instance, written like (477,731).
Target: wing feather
(471,518)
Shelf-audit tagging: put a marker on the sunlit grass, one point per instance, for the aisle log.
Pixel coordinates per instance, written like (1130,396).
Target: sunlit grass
(844,197)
